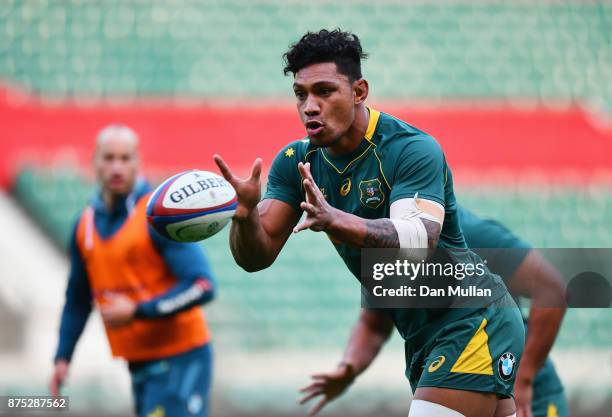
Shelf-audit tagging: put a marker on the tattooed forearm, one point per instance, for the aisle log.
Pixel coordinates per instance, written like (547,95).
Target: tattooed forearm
(433,233)
(381,233)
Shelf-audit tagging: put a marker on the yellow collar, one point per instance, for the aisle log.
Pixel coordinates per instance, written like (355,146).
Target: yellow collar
(374,116)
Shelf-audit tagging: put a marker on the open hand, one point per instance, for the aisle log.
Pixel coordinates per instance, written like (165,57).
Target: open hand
(328,385)
(319,213)
(118,310)
(248,191)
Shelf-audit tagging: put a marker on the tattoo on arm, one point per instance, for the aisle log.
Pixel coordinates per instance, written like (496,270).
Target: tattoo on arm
(381,233)
(433,233)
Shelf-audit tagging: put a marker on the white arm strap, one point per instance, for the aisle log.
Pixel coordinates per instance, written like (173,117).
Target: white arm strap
(406,217)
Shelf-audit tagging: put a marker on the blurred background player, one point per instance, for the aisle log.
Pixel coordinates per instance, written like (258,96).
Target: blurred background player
(538,389)
(148,289)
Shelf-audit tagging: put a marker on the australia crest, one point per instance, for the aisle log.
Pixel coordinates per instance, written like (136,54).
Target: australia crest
(371,193)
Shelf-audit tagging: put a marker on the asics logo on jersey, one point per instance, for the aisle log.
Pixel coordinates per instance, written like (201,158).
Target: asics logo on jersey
(346,187)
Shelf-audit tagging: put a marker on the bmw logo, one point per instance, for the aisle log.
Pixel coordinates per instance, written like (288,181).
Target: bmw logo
(505,366)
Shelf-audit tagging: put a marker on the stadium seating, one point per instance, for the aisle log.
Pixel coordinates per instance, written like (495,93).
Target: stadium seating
(220,49)
(64,190)
(308,298)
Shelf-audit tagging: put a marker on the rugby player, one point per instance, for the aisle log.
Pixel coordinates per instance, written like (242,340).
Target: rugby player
(370,180)
(148,289)
(538,389)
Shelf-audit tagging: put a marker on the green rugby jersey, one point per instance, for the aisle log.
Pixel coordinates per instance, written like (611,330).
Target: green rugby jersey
(394,161)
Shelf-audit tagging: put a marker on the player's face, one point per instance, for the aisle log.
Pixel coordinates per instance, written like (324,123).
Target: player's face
(325,102)
(117,164)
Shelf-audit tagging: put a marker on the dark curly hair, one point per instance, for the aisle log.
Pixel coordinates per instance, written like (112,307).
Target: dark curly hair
(342,48)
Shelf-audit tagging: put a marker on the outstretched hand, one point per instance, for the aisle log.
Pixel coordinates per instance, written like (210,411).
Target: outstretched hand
(248,191)
(319,213)
(329,385)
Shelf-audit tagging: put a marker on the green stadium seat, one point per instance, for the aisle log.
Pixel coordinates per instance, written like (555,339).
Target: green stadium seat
(561,52)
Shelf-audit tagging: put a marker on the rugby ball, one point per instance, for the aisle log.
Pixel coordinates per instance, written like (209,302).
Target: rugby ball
(191,206)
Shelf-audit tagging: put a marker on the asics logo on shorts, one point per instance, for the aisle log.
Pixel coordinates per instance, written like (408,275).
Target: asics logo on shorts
(436,364)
